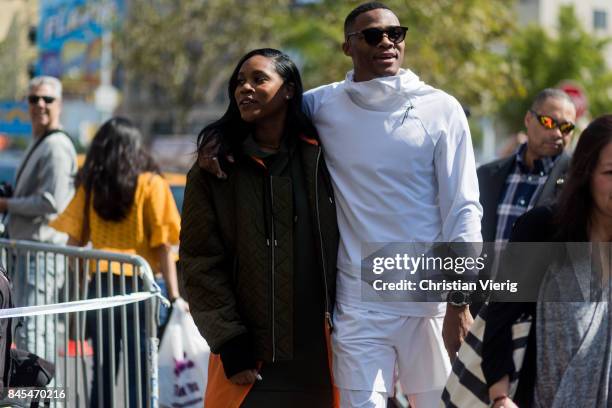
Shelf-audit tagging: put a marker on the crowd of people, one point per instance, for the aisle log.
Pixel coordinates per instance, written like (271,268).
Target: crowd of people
(286,189)
(118,201)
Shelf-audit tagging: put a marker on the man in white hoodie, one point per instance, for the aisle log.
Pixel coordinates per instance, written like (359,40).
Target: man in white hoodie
(402,165)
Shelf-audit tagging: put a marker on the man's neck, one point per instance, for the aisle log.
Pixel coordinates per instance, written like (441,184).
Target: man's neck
(529,158)
(357,77)
(38,132)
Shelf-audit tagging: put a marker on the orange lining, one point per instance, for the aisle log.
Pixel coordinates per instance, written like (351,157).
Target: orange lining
(259,161)
(335,391)
(222,393)
(309,140)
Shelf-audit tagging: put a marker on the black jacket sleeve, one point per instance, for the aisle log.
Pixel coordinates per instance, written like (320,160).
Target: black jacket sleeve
(237,355)
(206,265)
(497,347)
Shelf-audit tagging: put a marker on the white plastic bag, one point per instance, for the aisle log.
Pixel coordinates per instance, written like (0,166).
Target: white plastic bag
(183,361)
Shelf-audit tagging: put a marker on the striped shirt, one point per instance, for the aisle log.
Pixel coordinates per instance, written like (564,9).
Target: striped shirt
(521,191)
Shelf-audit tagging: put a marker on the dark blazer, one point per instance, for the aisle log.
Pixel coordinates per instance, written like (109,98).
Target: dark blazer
(492,178)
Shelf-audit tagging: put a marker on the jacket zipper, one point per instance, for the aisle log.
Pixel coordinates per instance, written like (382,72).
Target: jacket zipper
(409,107)
(327,312)
(272,243)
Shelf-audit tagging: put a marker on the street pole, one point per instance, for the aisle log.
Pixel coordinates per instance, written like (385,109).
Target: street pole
(488,139)
(106,96)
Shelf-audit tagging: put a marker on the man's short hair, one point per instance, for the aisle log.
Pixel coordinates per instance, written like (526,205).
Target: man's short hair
(53,83)
(363,8)
(550,93)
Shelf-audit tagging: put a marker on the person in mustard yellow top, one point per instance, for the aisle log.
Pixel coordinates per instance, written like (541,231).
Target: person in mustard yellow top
(130,210)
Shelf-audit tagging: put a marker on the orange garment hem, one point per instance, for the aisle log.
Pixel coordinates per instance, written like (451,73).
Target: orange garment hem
(222,393)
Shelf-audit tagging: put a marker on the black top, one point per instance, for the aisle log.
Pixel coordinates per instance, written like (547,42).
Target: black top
(497,360)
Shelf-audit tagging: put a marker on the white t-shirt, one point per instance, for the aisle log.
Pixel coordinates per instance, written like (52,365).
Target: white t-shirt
(403,170)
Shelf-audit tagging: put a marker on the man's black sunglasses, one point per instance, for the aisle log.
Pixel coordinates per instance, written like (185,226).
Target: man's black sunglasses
(373,36)
(33,99)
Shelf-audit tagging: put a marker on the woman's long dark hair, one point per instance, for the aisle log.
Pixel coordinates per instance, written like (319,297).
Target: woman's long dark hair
(232,130)
(114,161)
(575,206)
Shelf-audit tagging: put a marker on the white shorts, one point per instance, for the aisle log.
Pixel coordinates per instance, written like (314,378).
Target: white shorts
(368,346)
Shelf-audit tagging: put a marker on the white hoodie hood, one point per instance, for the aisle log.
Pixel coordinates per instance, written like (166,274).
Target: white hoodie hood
(386,94)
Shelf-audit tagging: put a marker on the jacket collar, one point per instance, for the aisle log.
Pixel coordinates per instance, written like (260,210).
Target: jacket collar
(543,166)
(385,94)
(251,149)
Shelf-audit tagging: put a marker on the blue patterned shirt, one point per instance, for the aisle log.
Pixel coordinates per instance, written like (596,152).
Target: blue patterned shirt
(521,191)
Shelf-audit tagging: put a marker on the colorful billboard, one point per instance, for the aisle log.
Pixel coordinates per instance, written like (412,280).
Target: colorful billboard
(69,40)
(14,119)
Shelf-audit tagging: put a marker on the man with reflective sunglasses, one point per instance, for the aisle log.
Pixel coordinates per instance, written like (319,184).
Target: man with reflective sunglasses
(403,170)
(533,175)
(44,185)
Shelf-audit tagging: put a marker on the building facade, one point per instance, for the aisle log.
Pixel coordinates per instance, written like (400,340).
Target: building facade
(595,15)
(18,19)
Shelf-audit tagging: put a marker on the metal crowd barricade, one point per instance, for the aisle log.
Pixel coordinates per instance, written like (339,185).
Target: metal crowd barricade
(44,274)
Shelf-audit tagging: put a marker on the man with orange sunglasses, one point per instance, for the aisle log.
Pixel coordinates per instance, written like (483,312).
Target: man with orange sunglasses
(534,173)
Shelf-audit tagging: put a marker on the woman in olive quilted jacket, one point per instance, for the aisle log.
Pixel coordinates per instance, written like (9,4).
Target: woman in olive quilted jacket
(258,249)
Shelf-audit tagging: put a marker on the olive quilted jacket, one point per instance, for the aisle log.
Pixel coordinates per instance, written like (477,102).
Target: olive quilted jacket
(229,251)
